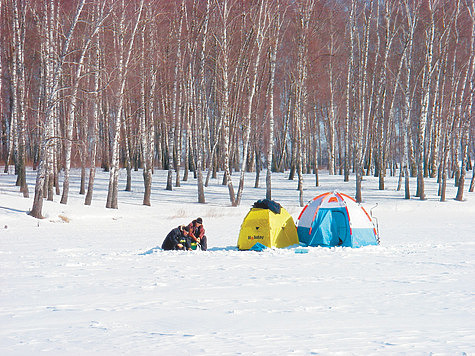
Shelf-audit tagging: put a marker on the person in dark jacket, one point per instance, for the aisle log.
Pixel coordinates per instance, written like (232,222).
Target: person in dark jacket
(178,239)
(197,233)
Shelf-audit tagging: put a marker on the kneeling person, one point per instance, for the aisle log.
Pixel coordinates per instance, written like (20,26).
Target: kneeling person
(178,239)
(197,233)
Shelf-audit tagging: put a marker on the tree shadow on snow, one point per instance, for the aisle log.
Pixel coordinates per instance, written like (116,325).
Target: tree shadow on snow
(14,210)
(213,249)
(227,248)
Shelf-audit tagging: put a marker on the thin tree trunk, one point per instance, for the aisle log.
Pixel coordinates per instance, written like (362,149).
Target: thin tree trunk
(225,105)
(252,91)
(270,147)
(72,111)
(96,109)
(387,121)
(332,114)
(349,91)
(301,89)
(128,148)
(359,130)
(144,127)
(15,101)
(407,58)
(472,183)
(470,90)
(202,110)
(53,77)
(124,59)
(11,127)
(257,157)
(20,49)
(423,117)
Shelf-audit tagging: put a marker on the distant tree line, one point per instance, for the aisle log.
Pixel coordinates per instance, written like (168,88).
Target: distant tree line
(373,87)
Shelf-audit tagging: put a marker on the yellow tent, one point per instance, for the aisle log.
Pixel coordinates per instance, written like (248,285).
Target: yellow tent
(268,228)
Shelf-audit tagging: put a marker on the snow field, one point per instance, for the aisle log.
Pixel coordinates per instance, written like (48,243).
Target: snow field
(77,282)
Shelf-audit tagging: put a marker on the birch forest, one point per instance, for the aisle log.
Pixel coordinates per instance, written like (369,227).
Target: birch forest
(217,88)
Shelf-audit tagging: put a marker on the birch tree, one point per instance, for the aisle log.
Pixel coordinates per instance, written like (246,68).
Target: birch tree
(350,90)
(468,91)
(331,117)
(225,109)
(452,120)
(262,23)
(18,94)
(178,93)
(274,45)
(382,92)
(222,85)
(412,19)
(201,115)
(147,128)
(11,131)
(425,96)
(173,127)
(53,78)
(124,60)
(304,16)
(71,116)
(96,107)
(361,110)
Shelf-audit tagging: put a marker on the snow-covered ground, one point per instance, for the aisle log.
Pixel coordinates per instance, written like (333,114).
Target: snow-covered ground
(78,282)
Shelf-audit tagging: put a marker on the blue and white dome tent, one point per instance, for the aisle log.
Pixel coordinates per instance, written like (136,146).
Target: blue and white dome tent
(335,219)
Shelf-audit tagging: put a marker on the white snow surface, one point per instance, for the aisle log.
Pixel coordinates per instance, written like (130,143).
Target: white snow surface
(78,282)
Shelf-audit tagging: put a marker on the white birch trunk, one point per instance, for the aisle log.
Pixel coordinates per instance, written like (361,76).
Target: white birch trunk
(301,90)
(53,76)
(173,129)
(50,125)
(349,91)
(423,118)
(466,117)
(112,193)
(18,84)
(225,111)
(437,110)
(252,91)
(128,147)
(332,112)
(71,116)
(270,147)
(472,182)
(11,126)
(14,124)
(146,117)
(201,115)
(411,23)
(382,92)
(95,112)
(451,122)
(178,98)
(364,107)
(150,136)
(114,164)
(96,109)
